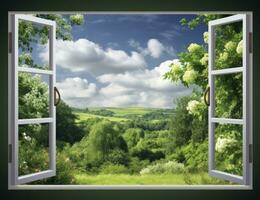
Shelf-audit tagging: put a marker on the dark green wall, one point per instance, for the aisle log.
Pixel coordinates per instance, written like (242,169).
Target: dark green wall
(127,5)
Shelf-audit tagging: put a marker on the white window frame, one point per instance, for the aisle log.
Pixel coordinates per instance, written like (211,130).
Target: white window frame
(14,186)
(14,121)
(246,120)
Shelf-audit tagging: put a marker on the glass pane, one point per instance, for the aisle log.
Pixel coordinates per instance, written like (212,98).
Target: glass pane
(33,92)
(33,43)
(229,148)
(33,148)
(228,45)
(228,96)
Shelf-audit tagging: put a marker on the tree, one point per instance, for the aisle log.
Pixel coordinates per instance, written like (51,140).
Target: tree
(192,69)
(104,138)
(132,136)
(66,128)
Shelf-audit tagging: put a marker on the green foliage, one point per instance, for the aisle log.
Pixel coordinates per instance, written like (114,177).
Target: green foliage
(170,167)
(33,96)
(33,157)
(181,124)
(103,138)
(132,136)
(108,168)
(101,112)
(66,128)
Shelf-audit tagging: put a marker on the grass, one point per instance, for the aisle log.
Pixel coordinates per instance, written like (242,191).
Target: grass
(119,116)
(85,116)
(166,179)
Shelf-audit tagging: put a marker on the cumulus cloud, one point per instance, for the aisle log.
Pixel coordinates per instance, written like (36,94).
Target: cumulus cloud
(75,91)
(85,55)
(145,88)
(154,48)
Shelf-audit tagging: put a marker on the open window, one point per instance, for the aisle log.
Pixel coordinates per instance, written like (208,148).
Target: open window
(33,122)
(28,124)
(222,123)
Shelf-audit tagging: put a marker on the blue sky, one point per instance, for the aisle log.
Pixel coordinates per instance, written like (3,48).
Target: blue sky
(119,60)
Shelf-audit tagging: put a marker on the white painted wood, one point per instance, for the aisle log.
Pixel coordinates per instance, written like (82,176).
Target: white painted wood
(227,71)
(35,176)
(246,120)
(35,20)
(35,121)
(34,70)
(130,187)
(226,121)
(14,69)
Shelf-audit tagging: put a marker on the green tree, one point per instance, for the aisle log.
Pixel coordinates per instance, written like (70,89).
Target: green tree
(104,138)
(132,136)
(66,128)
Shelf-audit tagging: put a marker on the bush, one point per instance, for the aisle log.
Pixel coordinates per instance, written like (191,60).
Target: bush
(64,171)
(170,167)
(117,156)
(109,168)
(135,165)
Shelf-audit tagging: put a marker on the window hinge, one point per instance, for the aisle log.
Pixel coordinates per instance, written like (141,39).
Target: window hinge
(250,42)
(10,153)
(250,153)
(10,42)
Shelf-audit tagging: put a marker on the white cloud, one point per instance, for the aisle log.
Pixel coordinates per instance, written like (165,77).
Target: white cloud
(84,55)
(154,48)
(145,88)
(76,90)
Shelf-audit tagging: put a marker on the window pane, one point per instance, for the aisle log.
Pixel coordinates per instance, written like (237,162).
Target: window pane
(228,96)
(33,95)
(33,42)
(228,45)
(33,148)
(229,148)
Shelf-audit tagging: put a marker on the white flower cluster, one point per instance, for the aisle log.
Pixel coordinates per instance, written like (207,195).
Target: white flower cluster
(240,47)
(194,47)
(192,106)
(26,137)
(206,37)
(176,68)
(204,59)
(190,76)
(230,46)
(145,171)
(222,143)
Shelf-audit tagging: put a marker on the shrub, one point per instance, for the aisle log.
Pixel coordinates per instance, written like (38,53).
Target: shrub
(117,156)
(109,168)
(170,167)
(135,165)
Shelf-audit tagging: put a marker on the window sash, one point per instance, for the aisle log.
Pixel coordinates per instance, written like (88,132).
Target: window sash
(14,121)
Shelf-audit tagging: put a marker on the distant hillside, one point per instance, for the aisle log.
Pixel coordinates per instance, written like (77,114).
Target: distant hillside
(123,114)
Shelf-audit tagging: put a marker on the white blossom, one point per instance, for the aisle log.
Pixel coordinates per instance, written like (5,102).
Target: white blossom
(204,59)
(230,46)
(206,37)
(223,143)
(192,106)
(240,47)
(194,47)
(189,76)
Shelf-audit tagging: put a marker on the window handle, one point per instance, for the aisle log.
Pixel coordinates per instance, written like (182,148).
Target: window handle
(56,101)
(206,96)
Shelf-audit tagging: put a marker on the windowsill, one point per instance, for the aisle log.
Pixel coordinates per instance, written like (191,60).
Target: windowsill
(130,187)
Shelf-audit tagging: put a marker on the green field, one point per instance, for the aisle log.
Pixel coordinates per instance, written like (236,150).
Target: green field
(120,114)
(165,179)
(85,116)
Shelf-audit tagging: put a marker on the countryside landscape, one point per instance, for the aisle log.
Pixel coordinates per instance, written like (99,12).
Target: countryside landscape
(130,116)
